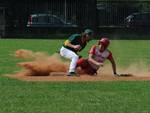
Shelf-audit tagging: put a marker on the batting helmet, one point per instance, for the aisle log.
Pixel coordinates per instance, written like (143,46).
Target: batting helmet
(104,41)
(89,32)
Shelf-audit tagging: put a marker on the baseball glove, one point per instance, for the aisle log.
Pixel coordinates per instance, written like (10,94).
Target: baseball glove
(125,75)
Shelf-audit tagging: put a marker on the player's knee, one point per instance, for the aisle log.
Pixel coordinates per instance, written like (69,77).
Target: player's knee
(82,63)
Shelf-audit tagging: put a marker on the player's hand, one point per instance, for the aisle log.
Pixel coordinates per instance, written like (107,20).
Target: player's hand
(77,47)
(100,64)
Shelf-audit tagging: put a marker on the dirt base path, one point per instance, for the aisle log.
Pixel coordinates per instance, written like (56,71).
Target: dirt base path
(62,77)
(42,64)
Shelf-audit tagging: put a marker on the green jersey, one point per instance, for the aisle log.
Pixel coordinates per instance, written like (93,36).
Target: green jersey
(75,39)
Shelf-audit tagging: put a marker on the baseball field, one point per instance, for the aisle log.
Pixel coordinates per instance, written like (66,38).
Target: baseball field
(85,94)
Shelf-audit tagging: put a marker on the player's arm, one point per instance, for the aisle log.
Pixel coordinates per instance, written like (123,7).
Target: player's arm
(113,65)
(91,55)
(90,59)
(68,43)
(111,59)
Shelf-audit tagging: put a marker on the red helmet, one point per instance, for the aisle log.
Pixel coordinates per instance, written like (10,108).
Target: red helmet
(104,41)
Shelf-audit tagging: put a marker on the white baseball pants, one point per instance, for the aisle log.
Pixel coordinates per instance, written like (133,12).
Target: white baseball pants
(70,55)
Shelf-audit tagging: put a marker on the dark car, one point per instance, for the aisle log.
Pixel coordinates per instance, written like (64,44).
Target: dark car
(138,20)
(47,20)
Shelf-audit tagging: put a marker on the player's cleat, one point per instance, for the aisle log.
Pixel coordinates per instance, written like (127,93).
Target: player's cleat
(72,74)
(116,75)
(123,75)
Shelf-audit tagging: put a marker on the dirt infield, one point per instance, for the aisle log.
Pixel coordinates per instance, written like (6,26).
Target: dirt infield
(63,77)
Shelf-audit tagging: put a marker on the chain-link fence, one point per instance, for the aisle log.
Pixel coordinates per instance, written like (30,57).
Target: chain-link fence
(79,12)
(64,16)
(113,13)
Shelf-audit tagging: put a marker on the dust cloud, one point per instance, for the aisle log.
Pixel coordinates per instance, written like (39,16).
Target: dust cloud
(41,63)
(139,69)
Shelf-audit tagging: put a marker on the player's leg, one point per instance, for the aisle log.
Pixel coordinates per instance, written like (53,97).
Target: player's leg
(83,63)
(70,55)
(85,66)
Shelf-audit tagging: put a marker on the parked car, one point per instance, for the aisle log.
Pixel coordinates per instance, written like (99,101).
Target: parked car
(138,20)
(47,20)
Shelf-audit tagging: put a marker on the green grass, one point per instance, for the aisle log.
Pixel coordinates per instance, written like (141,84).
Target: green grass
(127,52)
(73,97)
(67,97)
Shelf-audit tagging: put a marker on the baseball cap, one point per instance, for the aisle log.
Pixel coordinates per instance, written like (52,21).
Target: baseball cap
(89,32)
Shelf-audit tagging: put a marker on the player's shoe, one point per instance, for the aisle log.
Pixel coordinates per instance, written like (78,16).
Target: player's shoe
(72,74)
(117,75)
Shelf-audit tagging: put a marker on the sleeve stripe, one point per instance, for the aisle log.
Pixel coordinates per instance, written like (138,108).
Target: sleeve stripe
(92,50)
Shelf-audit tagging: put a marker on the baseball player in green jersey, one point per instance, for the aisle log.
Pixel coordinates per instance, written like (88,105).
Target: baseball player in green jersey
(74,44)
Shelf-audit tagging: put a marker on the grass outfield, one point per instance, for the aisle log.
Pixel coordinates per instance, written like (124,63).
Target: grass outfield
(69,97)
